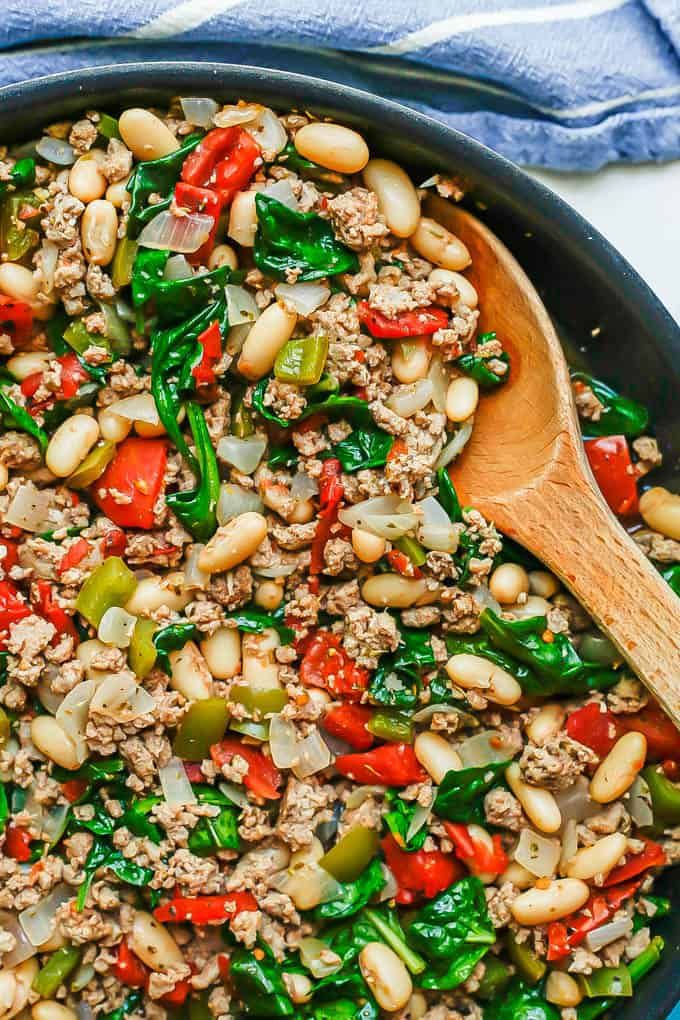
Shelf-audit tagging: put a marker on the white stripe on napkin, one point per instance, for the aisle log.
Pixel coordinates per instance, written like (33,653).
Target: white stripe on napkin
(183,18)
(438,31)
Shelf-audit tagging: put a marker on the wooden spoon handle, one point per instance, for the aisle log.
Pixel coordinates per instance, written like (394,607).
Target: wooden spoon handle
(583,543)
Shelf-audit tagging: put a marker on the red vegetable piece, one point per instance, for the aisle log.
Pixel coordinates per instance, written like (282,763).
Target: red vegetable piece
(10,556)
(128,968)
(18,843)
(391,764)
(73,789)
(652,856)
(211,347)
(326,664)
(419,322)
(475,853)
(77,552)
(206,202)
(46,606)
(205,909)
(609,459)
(114,542)
(262,777)
(425,872)
(224,159)
(12,609)
(663,739)
(137,471)
(348,723)
(331,491)
(233,173)
(400,562)
(16,320)
(594,728)
(565,935)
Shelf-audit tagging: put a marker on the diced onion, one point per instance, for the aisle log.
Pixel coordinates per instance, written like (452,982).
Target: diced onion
(116,627)
(575,802)
(282,191)
(314,755)
(569,843)
(56,150)
(482,749)
(485,599)
(283,742)
(48,264)
(243,454)
(430,182)
(73,711)
(79,980)
(390,526)
(440,537)
(175,784)
(48,699)
(31,509)
(241,305)
(184,234)
(391,886)
(236,794)
(123,309)
(194,577)
(121,698)
(235,500)
(236,337)
(54,824)
(302,486)
(177,268)
(640,803)
(418,820)
(199,111)
(318,957)
(24,948)
(408,400)
(139,407)
(278,570)
(305,297)
(440,379)
(433,512)
(229,116)
(538,854)
(359,794)
(608,933)
(392,504)
(455,446)
(268,132)
(38,921)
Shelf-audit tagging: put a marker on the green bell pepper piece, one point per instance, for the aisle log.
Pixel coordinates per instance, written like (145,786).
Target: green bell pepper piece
(672,576)
(94,465)
(529,967)
(391,724)
(302,361)
(203,725)
(18,417)
(142,651)
(155,176)
(17,241)
(261,701)
(197,508)
(621,416)
(107,126)
(351,854)
(78,338)
(22,175)
(288,240)
(111,584)
(412,548)
(614,982)
(249,728)
(54,973)
(495,979)
(123,261)
(665,796)
(5,728)
(638,968)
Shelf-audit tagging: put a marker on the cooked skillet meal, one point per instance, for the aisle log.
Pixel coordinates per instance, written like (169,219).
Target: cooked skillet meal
(286,730)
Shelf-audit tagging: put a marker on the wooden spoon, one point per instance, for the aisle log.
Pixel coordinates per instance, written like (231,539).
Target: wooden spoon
(525,469)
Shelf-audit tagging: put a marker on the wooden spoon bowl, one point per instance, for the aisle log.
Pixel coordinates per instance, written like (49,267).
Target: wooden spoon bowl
(525,469)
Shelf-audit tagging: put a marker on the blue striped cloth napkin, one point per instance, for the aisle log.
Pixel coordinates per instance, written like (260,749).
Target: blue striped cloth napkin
(569,84)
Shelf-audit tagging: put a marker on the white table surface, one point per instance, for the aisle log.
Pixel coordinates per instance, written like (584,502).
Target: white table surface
(638,209)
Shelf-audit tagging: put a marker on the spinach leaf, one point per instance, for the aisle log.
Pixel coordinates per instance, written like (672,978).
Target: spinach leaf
(15,416)
(348,938)
(364,448)
(101,823)
(672,576)
(4,807)
(155,176)
(396,681)
(22,175)
(135,818)
(254,621)
(175,300)
(171,639)
(288,240)
(132,1002)
(103,855)
(217,833)
(520,1002)
(448,497)
(353,895)
(197,508)
(282,456)
(63,409)
(343,1009)
(147,273)
(478,367)
(102,771)
(258,985)
(460,795)
(455,971)
(621,416)
(398,819)
(334,406)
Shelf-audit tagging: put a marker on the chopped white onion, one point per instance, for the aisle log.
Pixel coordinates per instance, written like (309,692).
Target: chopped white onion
(282,191)
(194,577)
(483,749)
(73,711)
(283,742)
(56,150)
(38,921)
(455,446)
(359,794)
(175,784)
(418,820)
(79,980)
(184,234)
(430,182)
(199,111)
(538,854)
(302,486)
(569,843)
(236,794)
(640,803)
(139,407)
(314,755)
(177,268)
(31,509)
(433,512)
(241,305)
(386,505)
(305,297)
(440,537)
(121,698)
(440,380)
(243,454)
(48,699)
(55,823)
(575,802)
(391,886)
(24,948)
(485,599)
(268,132)
(425,714)
(279,570)
(408,400)
(608,933)
(116,627)
(235,500)
(123,309)
(48,264)
(236,337)
(390,526)
(229,116)
(318,957)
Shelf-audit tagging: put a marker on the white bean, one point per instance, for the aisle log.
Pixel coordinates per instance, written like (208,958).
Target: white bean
(598,859)
(153,943)
(86,180)
(368,547)
(112,426)
(99,231)
(28,363)
(260,668)
(153,592)
(562,989)
(467,294)
(386,976)
(333,146)
(660,510)
(508,582)
(17,983)
(48,736)
(411,359)
(117,193)
(547,723)
(233,543)
(474,672)
(70,444)
(518,875)
(146,135)
(243,219)
(268,595)
(393,590)
(222,652)
(18,282)
(436,755)
(557,899)
(543,583)
(540,806)
(462,397)
(51,1010)
(264,341)
(617,772)
(534,606)
(223,255)
(397,197)
(189,673)
(437,244)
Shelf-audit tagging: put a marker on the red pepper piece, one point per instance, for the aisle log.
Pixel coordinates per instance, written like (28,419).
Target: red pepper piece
(211,345)
(10,557)
(114,543)
(78,551)
(400,562)
(609,459)
(348,723)
(419,322)
(475,853)
(73,375)
(391,764)
(565,935)
(205,909)
(262,777)
(47,607)
(594,728)
(12,609)
(16,320)
(200,200)
(73,789)
(128,968)
(137,471)
(177,996)
(663,739)
(326,664)
(225,159)
(193,771)
(233,173)
(224,966)
(331,491)
(652,856)
(18,843)
(425,872)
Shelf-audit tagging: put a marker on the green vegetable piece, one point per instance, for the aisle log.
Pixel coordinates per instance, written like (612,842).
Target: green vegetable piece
(156,176)
(290,241)
(103,771)
(342,1009)
(131,1004)
(197,508)
(171,639)
(665,796)
(94,465)
(396,681)
(614,982)
(123,261)
(292,160)
(4,807)
(353,409)
(204,724)
(17,237)
(460,795)
(17,417)
(353,895)
(259,986)
(520,1002)
(135,818)
(55,972)
(63,409)
(528,966)
(672,576)
(241,418)
(621,415)
(302,360)
(103,855)
(111,584)
(254,621)
(495,979)
(249,728)
(107,126)
(596,647)
(398,820)
(387,924)
(116,330)
(391,724)
(22,175)
(78,338)
(101,823)
(448,497)
(5,728)
(411,548)
(364,448)
(142,651)
(199,1008)
(262,701)
(175,300)
(217,833)
(478,367)
(638,968)
(351,854)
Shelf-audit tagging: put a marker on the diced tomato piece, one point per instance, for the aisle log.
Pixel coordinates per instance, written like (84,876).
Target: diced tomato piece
(18,843)
(137,471)
(326,664)
(663,739)
(425,872)
(348,723)
(609,459)
(593,727)
(262,777)
(16,320)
